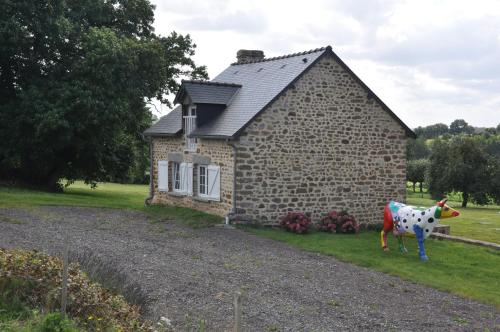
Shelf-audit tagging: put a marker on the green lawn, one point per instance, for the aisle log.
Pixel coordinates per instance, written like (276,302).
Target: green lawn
(463,269)
(111,195)
(475,222)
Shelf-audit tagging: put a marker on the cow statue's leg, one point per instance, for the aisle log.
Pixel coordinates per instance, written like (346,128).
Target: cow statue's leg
(419,233)
(388,225)
(383,240)
(401,244)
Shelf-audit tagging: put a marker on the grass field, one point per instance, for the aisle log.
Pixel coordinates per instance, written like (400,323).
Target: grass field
(110,195)
(475,222)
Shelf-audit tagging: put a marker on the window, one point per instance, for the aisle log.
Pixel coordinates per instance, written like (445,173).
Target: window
(189,127)
(209,182)
(202,180)
(182,178)
(176,176)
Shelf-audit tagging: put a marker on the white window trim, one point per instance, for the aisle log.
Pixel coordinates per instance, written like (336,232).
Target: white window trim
(209,188)
(206,181)
(174,179)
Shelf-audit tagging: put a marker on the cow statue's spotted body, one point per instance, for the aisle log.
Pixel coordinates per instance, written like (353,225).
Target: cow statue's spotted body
(400,219)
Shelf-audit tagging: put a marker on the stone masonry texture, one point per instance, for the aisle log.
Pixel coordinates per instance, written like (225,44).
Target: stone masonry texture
(322,145)
(219,152)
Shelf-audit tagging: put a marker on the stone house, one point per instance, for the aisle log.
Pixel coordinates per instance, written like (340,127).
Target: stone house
(298,132)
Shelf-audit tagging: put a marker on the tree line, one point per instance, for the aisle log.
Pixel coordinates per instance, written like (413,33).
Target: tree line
(458,158)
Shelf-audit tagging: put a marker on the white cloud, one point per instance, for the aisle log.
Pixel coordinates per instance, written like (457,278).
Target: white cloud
(430,61)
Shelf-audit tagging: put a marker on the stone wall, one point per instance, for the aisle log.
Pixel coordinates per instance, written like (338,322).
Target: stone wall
(322,145)
(218,151)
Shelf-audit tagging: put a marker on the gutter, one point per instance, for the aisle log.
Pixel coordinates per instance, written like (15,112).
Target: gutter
(147,201)
(232,214)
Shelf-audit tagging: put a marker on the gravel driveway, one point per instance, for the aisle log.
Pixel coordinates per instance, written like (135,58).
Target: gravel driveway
(188,275)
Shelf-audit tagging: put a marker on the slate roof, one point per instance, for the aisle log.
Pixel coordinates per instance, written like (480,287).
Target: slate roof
(204,92)
(168,125)
(261,82)
(248,88)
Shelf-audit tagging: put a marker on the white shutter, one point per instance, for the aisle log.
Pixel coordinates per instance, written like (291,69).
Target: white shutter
(214,182)
(183,176)
(189,182)
(163,175)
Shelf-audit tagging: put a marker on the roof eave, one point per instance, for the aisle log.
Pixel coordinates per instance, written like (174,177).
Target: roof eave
(211,136)
(161,134)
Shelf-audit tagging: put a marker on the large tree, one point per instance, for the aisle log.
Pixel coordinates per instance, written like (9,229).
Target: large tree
(75,80)
(417,149)
(460,126)
(462,165)
(416,171)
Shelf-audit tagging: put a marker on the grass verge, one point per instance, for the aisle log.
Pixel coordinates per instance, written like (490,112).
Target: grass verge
(466,270)
(108,195)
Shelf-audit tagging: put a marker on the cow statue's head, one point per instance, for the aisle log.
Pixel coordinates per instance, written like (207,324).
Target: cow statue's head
(444,211)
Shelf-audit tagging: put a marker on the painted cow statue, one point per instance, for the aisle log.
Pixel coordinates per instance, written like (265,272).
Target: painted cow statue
(400,219)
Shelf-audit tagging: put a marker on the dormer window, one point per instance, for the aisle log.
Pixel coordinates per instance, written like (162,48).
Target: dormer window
(189,127)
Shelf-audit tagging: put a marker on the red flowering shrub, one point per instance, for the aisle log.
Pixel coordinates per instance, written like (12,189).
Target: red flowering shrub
(340,222)
(329,222)
(296,222)
(347,223)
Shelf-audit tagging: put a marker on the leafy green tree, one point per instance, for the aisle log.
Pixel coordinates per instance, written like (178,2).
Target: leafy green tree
(461,165)
(416,171)
(75,80)
(432,131)
(417,149)
(459,126)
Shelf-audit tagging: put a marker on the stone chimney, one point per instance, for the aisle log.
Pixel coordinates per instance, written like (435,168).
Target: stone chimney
(245,56)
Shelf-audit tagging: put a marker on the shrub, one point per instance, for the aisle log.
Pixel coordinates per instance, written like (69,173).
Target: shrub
(347,223)
(340,222)
(296,222)
(89,304)
(329,222)
(54,322)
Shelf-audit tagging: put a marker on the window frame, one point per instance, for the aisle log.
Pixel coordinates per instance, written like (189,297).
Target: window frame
(176,176)
(205,184)
(190,143)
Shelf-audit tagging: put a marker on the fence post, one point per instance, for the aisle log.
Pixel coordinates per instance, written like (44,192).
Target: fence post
(64,289)
(237,312)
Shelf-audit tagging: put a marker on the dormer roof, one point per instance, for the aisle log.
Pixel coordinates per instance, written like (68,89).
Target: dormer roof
(205,92)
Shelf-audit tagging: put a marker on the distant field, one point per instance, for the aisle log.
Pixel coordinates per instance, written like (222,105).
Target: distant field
(475,222)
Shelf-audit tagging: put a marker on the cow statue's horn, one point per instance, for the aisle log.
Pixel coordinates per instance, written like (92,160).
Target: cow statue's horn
(442,202)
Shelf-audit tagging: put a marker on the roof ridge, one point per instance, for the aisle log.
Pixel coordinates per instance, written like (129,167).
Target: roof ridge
(211,83)
(283,56)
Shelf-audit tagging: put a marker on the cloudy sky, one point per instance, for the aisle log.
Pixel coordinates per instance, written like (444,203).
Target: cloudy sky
(429,60)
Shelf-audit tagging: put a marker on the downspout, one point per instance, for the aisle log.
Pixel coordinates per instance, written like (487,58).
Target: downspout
(232,214)
(147,201)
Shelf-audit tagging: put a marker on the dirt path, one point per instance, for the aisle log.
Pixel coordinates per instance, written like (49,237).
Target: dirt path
(188,275)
